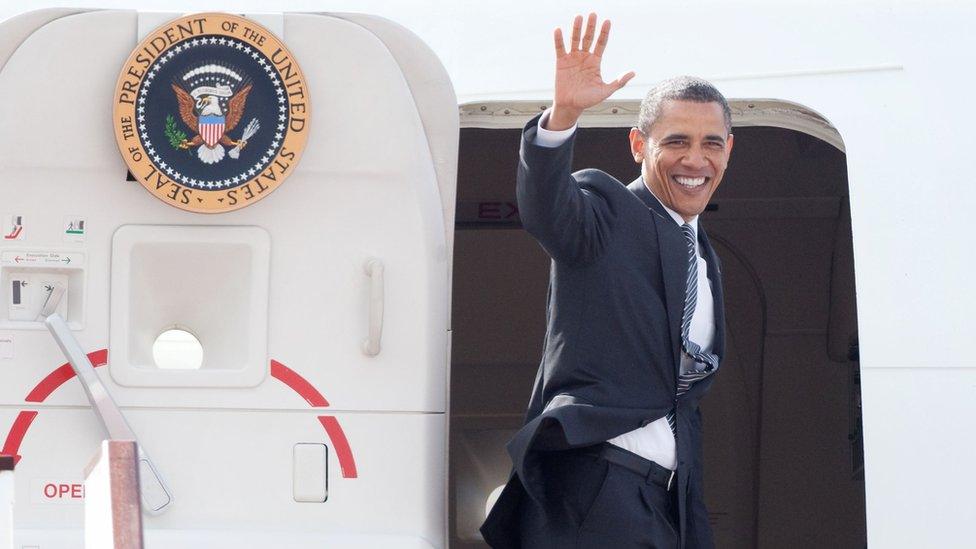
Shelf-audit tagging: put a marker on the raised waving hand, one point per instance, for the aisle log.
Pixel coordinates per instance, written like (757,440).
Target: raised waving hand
(579,84)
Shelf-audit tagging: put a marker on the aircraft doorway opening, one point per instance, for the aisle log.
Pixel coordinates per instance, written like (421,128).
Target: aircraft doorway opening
(782,429)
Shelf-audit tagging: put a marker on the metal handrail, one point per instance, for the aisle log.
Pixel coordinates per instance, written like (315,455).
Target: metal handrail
(113,514)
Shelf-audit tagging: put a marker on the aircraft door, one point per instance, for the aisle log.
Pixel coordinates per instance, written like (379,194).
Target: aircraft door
(315,410)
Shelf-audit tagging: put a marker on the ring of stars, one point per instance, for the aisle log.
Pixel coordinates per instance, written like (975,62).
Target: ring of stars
(245,174)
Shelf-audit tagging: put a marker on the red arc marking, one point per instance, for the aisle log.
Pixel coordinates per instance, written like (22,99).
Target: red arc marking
(306,390)
(279,371)
(298,384)
(338,438)
(62,374)
(16,434)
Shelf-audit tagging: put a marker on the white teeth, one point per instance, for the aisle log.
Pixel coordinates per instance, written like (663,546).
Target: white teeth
(690,181)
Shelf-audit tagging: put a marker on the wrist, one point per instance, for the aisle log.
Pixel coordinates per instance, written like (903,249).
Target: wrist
(562,118)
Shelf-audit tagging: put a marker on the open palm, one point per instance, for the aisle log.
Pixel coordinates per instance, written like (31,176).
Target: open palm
(579,83)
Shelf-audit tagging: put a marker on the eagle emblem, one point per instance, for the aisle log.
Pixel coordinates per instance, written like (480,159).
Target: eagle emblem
(211,110)
(215,120)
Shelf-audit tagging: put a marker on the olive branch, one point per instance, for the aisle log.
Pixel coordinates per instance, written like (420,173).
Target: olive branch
(174,134)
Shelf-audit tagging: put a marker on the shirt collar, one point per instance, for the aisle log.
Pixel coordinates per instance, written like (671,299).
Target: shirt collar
(675,215)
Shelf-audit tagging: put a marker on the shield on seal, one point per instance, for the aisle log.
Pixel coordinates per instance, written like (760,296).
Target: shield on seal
(211,129)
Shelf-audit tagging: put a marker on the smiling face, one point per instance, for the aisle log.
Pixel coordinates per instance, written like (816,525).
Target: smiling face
(685,154)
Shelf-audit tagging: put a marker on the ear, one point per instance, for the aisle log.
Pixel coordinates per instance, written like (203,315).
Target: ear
(637,145)
(728,148)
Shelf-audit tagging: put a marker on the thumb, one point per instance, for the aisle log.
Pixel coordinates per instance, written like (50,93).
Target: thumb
(622,80)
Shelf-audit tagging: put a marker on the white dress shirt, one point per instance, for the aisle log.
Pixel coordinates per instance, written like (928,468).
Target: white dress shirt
(655,441)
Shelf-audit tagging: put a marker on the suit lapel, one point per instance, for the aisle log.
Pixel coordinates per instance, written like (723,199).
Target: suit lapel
(673,257)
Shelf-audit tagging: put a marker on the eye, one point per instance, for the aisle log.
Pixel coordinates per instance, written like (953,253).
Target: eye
(714,145)
(676,143)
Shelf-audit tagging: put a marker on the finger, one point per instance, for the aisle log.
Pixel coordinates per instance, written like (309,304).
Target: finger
(560,45)
(601,42)
(590,31)
(622,81)
(574,40)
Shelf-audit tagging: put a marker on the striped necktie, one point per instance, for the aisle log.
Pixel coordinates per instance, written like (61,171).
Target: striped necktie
(705,363)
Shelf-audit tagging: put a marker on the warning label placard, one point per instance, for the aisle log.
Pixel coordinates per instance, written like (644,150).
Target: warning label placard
(42,259)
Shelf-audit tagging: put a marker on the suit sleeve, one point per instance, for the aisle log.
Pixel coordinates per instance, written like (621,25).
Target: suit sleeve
(567,215)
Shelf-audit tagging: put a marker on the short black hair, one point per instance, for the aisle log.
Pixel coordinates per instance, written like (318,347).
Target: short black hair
(681,88)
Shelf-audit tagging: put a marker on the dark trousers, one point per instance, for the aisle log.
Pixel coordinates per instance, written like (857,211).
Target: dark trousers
(592,503)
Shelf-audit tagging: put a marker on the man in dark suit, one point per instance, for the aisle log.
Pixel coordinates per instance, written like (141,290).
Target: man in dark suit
(610,454)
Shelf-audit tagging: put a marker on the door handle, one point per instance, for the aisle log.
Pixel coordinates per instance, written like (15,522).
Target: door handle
(374,270)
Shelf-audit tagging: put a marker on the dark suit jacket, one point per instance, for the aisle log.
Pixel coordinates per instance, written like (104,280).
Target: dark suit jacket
(612,349)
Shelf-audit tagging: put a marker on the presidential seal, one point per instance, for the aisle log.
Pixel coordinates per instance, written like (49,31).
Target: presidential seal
(211,112)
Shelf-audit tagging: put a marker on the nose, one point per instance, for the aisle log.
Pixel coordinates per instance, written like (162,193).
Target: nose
(696,159)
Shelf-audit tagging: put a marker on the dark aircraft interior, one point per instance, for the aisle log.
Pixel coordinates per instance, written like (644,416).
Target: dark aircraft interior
(782,431)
